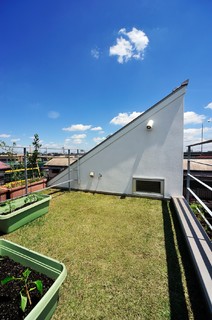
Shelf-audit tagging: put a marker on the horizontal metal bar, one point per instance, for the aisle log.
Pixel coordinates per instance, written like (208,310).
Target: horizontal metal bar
(200,201)
(199,143)
(202,183)
(55,185)
(206,164)
(202,215)
(17,170)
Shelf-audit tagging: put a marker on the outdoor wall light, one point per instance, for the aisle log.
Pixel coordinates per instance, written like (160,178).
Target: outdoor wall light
(149,124)
(91,174)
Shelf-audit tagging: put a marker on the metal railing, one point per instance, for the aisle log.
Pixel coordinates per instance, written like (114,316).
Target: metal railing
(23,159)
(190,192)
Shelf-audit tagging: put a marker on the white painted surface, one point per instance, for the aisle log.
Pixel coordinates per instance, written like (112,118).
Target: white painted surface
(135,151)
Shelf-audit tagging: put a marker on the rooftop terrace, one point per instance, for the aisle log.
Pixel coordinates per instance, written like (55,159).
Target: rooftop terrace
(125,257)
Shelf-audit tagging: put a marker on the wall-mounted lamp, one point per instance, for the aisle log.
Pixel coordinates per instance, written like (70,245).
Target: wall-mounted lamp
(100,175)
(91,174)
(149,124)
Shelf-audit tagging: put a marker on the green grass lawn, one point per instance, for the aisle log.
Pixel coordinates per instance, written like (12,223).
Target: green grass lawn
(123,257)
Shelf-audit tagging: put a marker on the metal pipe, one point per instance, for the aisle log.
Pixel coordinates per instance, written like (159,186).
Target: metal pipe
(188,174)
(202,183)
(202,138)
(69,172)
(201,202)
(25,171)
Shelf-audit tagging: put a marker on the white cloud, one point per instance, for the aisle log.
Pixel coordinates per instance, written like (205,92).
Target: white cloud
(77,127)
(78,136)
(52,145)
(4,135)
(191,117)
(96,129)
(15,140)
(95,53)
(194,135)
(97,140)
(209,106)
(130,47)
(138,38)
(53,114)
(123,50)
(124,118)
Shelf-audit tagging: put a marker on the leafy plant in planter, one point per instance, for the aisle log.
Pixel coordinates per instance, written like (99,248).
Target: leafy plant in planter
(12,205)
(15,261)
(15,213)
(26,287)
(20,183)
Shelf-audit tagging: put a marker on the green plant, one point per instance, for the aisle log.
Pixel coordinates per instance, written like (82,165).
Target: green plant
(120,257)
(202,216)
(12,159)
(9,203)
(26,287)
(33,158)
(30,198)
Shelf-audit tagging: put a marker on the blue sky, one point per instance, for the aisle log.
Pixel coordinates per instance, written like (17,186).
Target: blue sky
(76,71)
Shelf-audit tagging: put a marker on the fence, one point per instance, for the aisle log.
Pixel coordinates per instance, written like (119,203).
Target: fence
(20,169)
(203,209)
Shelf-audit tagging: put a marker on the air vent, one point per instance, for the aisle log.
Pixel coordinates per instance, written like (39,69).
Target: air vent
(148,186)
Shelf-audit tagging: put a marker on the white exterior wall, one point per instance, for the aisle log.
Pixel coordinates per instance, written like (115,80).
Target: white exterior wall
(135,152)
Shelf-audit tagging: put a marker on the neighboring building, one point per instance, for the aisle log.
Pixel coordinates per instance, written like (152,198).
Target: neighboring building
(144,158)
(3,168)
(56,165)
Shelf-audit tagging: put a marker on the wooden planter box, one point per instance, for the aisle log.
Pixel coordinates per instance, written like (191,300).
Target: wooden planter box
(19,217)
(21,190)
(55,270)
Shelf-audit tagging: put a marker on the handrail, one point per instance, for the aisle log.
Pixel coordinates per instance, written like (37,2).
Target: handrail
(205,164)
(188,182)
(201,202)
(202,183)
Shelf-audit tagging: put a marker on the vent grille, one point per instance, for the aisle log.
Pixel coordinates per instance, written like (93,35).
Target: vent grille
(148,186)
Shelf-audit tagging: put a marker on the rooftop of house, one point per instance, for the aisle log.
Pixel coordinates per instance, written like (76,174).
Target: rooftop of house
(198,164)
(121,255)
(60,161)
(3,166)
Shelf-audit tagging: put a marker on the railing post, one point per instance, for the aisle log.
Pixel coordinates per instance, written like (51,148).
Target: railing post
(69,171)
(25,171)
(188,174)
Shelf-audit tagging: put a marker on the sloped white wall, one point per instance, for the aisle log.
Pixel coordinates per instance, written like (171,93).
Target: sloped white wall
(137,152)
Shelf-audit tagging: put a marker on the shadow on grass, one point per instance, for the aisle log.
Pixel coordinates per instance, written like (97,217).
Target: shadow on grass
(178,307)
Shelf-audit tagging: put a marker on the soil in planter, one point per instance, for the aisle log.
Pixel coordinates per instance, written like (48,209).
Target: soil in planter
(10,292)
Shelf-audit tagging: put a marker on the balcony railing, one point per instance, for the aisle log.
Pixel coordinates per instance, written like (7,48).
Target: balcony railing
(203,209)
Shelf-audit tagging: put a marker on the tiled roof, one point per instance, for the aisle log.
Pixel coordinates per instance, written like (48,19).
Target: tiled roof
(4,166)
(59,162)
